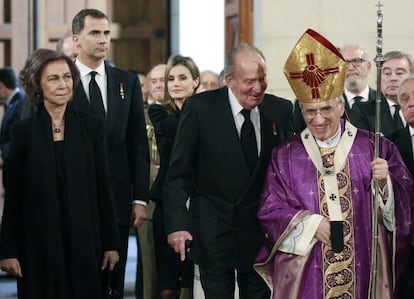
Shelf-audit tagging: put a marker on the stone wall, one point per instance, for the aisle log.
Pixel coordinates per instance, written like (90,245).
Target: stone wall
(280,23)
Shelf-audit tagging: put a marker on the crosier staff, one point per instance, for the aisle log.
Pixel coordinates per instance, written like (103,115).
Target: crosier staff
(379,60)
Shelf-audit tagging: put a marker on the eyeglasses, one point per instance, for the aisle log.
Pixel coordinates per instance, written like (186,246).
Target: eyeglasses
(355,62)
(324,112)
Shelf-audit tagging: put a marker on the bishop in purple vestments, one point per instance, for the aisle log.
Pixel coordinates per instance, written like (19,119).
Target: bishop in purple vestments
(317,204)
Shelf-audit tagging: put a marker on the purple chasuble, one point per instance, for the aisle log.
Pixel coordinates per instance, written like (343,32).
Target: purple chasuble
(291,193)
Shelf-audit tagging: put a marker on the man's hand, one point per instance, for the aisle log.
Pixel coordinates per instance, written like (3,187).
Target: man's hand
(323,233)
(139,214)
(110,257)
(177,241)
(11,266)
(380,170)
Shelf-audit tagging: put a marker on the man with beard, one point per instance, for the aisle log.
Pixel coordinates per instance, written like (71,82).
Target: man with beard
(358,67)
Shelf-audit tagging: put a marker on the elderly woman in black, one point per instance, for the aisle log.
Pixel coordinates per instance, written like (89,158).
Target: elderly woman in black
(58,231)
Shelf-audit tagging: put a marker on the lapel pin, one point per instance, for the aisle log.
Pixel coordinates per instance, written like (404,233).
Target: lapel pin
(121,90)
(274,129)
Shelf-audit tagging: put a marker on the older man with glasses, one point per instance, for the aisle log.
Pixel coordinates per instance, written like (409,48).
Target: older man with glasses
(358,67)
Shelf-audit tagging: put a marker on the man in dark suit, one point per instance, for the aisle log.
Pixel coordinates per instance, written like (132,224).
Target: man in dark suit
(356,88)
(397,66)
(403,139)
(14,100)
(120,103)
(16,107)
(219,160)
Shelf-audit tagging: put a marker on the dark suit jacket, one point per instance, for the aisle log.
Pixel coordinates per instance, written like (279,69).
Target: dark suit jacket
(299,123)
(208,165)
(402,140)
(128,152)
(16,111)
(363,116)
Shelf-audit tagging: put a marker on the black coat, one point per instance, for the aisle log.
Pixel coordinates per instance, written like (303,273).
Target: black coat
(208,164)
(363,116)
(165,127)
(126,135)
(19,108)
(58,226)
(402,139)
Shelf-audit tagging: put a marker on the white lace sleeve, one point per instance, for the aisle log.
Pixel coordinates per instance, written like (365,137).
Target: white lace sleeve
(301,239)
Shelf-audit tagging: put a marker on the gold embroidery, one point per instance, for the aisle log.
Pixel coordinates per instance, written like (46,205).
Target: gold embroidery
(155,158)
(339,268)
(339,256)
(339,279)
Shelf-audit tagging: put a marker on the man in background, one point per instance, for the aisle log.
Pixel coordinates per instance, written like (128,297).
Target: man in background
(16,107)
(403,139)
(397,66)
(142,78)
(146,280)
(12,98)
(67,46)
(208,80)
(358,68)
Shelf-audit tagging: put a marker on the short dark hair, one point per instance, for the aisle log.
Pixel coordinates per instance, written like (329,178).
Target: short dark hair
(31,73)
(400,55)
(78,21)
(8,77)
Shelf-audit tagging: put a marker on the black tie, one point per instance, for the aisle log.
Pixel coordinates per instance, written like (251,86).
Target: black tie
(398,124)
(357,99)
(248,140)
(95,96)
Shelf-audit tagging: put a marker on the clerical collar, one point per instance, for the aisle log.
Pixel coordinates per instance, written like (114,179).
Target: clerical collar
(332,141)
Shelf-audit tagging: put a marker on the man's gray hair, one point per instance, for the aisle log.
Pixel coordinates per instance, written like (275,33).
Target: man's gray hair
(405,80)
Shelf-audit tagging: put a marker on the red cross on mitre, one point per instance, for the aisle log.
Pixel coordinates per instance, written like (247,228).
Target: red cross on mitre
(313,76)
